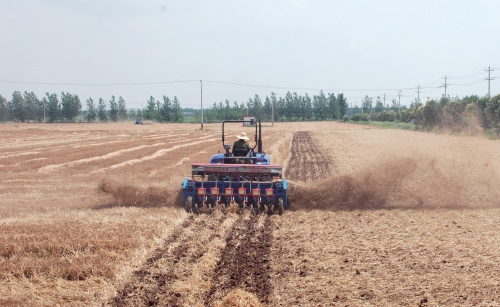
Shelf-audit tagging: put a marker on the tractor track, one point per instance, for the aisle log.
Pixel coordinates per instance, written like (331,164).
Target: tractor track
(153,284)
(307,160)
(146,286)
(245,262)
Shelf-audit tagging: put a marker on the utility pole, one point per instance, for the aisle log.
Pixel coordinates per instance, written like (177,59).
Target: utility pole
(44,111)
(445,85)
(142,112)
(399,102)
(383,108)
(418,94)
(272,108)
(489,70)
(201,99)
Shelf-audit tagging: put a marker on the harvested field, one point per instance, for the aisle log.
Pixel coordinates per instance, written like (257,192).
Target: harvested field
(90,214)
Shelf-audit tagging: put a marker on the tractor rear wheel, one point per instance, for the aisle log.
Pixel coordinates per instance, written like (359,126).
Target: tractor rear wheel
(188,206)
(281,205)
(196,209)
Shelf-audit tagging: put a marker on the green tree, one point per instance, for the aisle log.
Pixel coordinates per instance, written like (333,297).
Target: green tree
(493,112)
(280,111)
(122,108)
(227,110)
(320,105)
(53,108)
(166,109)
(379,105)
(289,107)
(91,110)
(395,105)
(297,106)
(249,107)
(178,116)
(308,110)
(342,105)
(332,106)
(150,112)
(17,105)
(113,111)
(419,114)
(257,106)
(30,106)
(367,104)
(101,110)
(430,113)
(70,106)
(4,113)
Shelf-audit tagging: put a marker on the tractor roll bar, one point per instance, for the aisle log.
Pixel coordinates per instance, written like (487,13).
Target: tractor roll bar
(258,131)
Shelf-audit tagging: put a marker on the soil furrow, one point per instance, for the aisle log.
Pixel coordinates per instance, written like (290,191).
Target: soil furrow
(307,160)
(162,280)
(146,286)
(245,262)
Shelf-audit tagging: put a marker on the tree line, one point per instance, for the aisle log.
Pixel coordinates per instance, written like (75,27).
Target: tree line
(291,107)
(165,111)
(468,114)
(28,107)
(52,108)
(456,114)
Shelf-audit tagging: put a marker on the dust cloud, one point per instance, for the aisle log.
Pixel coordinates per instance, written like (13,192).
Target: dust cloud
(421,181)
(135,196)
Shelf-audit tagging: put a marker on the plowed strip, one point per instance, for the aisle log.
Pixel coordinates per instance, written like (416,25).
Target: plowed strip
(177,274)
(145,288)
(307,163)
(245,262)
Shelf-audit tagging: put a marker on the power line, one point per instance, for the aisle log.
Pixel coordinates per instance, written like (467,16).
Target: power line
(429,83)
(97,84)
(477,73)
(419,87)
(470,83)
(302,88)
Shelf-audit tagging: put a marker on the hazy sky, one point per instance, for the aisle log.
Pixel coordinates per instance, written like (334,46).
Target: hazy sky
(357,47)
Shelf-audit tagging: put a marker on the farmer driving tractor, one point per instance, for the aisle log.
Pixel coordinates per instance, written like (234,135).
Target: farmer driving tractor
(240,147)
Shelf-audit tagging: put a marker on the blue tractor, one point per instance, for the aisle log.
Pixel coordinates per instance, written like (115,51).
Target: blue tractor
(245,178)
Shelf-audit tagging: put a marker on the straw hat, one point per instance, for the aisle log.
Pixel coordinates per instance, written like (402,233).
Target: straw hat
(242,136)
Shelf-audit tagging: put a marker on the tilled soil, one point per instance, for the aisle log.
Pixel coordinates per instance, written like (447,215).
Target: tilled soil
(149,286)
(434,242)
(308,161)
(156,283)
(245,262)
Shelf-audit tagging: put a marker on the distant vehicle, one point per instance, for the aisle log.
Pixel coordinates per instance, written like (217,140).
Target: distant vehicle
(138,121)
